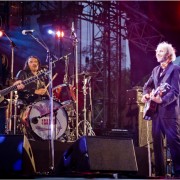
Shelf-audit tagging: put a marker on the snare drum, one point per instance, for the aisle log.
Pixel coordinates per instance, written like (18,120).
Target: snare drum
(36,118)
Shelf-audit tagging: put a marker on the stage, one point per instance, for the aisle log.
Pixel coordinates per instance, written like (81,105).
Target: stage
(87,157)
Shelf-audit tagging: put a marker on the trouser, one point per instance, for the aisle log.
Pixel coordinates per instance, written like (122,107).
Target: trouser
(171,129)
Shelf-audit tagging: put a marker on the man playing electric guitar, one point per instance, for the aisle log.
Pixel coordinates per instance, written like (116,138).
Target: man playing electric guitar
(166,118)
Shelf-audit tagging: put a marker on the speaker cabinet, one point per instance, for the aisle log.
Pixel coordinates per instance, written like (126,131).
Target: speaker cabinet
(92,153)
(142,161)
(134,123)
(42,153)
(16,156)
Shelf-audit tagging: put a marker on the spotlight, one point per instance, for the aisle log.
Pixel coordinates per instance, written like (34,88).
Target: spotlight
(60,34)
(1,33)
(50,31)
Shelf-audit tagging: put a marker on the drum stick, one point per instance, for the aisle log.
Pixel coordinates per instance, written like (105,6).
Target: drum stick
(52,80)
(49,83)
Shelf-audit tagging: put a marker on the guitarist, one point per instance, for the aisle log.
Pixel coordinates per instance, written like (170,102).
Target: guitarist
(166,118)
(35,90)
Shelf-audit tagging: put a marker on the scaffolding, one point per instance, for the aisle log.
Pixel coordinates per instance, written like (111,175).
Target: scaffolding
(112,23)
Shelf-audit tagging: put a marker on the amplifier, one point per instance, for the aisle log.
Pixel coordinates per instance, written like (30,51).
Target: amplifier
(134,95)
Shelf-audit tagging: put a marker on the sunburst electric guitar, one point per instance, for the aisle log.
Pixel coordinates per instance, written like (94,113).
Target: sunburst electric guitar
(4,102)
(150,106)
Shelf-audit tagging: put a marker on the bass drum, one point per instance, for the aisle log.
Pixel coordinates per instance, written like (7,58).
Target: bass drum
(36,119)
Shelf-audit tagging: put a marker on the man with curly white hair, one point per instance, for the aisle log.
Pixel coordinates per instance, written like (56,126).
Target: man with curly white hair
(162,94)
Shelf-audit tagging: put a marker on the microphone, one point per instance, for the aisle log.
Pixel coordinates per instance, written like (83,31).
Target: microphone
(25,32)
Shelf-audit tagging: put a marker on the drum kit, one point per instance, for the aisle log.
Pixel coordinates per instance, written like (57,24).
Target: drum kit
(34,119)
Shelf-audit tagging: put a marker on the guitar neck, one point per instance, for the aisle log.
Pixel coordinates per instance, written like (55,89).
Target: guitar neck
(8,90)
(14,87)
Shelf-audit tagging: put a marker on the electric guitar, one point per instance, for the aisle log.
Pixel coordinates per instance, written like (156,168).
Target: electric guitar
(150,106)
(4,102)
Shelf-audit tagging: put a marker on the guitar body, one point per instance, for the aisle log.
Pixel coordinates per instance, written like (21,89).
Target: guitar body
(150,106)
(149,110)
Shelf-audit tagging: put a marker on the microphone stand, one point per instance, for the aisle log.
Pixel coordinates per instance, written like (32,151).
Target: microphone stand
(75,42)
(49,59)
(12,78)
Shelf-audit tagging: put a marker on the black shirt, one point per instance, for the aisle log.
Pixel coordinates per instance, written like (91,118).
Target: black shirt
(28,93)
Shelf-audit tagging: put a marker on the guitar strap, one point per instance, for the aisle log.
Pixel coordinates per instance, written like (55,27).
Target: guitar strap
(168,72)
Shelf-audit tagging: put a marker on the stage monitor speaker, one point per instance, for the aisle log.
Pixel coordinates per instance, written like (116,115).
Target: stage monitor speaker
(42,153)
(16,156)
(92,153)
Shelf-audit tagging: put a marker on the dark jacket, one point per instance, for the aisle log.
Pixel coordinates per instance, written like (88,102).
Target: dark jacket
(28,93)
(170,107)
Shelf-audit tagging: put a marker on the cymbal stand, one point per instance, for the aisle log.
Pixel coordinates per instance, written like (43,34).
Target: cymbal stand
(85,109)
(87,129)
(90,97)
(9,126)
(15,110)
(66,80)
(75,42)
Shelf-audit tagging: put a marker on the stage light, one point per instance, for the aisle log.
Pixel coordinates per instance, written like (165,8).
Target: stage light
(50,31)
(1,33)
(60,34)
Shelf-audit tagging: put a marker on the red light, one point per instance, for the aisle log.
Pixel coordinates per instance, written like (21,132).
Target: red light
(1,33)
(60,34)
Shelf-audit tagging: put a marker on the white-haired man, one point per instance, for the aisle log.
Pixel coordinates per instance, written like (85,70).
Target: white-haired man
(166,117)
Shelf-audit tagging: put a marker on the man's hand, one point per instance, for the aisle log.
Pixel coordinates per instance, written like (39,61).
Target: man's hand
(157,99)
(41,91)
(19,84)
(145,98)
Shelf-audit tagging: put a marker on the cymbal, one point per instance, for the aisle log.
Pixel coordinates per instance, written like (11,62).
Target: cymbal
(85,74)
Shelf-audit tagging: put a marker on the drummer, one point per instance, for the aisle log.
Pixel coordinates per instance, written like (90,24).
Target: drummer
(35,90)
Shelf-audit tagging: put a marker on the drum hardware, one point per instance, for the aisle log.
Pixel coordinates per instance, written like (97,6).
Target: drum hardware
(13,119)
(87,129)
(86,74)
(15,110)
